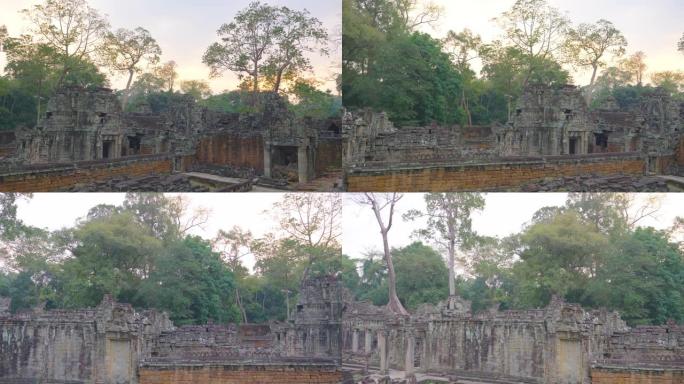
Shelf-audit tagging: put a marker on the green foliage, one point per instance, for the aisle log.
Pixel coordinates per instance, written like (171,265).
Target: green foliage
(410,78)
(192,284)
(312,102)
(428,286)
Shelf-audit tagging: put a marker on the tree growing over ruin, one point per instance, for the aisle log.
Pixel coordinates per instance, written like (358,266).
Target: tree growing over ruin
(535,28)
(264,40)
(125,51)
(589,45)
(380,203)
(71,27)
(449,224)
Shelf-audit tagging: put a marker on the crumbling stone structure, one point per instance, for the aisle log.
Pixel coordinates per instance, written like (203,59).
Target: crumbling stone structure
(551,133)
(561,343)
(113,344)
(89,125)
(557,121)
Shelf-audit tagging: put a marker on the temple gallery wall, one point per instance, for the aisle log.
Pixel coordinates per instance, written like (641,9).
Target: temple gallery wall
(551,133)
(334,339)
(85,135)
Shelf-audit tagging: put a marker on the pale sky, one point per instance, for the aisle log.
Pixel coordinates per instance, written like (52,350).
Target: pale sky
(504,214)
(184,30)
(652,26)
(58,210)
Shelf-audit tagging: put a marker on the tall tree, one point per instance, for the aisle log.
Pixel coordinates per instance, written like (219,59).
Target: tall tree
(536,29)
(297,35)
(379,203)
(464,47)
(589,44)
(71,27)
(415,13)
(312,219)
(125,51)
(264,40)
(168,74)
(636,64)
(680,44)
(449,224)
(233,245)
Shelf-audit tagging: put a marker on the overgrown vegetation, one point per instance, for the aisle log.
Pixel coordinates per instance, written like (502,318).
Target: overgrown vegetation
(142,252)
(52,56)
(389,64)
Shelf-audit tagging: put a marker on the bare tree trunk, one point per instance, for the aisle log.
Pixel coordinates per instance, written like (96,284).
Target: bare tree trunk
(124,100)
(279,78)
(393,304)
(591,85)
(452,277)
(239,303)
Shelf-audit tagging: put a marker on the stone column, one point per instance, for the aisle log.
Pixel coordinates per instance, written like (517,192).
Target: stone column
(267,160)
(409,369)
(303,164)
(355,341)
(382,346)
(369,338)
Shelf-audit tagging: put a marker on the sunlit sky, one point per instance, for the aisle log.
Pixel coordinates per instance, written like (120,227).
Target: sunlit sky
(184,29)
(58,210)
(652,26)
(504,214)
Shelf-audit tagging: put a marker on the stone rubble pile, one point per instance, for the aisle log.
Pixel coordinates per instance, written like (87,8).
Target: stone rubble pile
(152,183)
(597,183)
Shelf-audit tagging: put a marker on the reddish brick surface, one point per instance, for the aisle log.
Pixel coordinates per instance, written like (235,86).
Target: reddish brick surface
(229,149)
(485,177)
(328,155)
(636,376)
(50,180)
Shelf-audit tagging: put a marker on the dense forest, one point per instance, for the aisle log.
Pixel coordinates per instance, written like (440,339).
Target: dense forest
(71,43)
(142,252)
(390,64)
(591,251)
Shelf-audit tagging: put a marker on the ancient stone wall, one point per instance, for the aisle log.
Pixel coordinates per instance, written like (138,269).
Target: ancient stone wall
(562,343)
(232,149)
(328,155)
(48,178)
(502,175)
(101,345)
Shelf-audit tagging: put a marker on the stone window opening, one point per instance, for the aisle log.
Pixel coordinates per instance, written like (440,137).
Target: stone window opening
(134,144)
(103,117)
(568,113)
(573,145)
(107,149)
(601,140)
(300,308)
(518,112)
(48,115)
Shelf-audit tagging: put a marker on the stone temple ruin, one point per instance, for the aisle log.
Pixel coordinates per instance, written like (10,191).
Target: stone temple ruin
(334,339)
(85,137)
(113,344)
(551,133)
